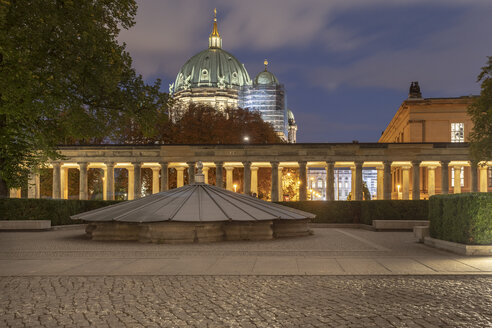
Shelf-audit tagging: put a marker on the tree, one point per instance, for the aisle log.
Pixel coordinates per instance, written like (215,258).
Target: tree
(64,78)
(202,124)
(481,115)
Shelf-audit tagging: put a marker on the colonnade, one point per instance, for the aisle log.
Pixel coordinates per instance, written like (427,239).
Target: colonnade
(478,177)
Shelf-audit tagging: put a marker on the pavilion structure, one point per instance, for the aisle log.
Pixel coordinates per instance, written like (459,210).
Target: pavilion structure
(438,159)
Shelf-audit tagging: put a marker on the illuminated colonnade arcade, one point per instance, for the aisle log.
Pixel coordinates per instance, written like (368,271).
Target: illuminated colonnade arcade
(404,171)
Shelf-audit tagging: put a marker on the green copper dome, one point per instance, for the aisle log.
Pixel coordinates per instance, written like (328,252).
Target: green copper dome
(265,77)
(213,67)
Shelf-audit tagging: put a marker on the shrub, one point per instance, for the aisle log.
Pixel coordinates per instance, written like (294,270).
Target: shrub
(394,210)
(56,210)
(363,211)
(462,218)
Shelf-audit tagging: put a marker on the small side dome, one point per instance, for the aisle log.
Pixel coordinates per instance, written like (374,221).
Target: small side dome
(265,77)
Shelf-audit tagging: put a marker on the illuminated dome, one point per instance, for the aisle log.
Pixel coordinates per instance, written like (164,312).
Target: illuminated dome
(265,77)
(212,68)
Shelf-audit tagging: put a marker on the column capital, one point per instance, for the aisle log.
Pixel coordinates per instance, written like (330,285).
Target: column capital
(272,163)
(180,168)
(247,163)
(109,164)
(330,163)
(387,163)
(162,164)
(219,163)
(56,164)
(83,164)
(135,164)
(406,167)
(155,168)
(445,162)
(254,168)
(302,163)
(358,163)
(229,168)
(416,162)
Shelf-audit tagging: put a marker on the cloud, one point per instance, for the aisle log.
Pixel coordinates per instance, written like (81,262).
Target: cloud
(167,33)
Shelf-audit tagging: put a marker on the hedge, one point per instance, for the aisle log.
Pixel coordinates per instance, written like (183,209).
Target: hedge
(462,218)
(363,211)
(56,210)
(59,211)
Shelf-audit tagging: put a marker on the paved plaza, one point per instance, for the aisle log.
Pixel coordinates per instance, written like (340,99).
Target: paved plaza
(334,278)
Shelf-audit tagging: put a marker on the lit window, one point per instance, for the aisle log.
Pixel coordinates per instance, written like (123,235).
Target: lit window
(462,176)
(457,132)
(320,183)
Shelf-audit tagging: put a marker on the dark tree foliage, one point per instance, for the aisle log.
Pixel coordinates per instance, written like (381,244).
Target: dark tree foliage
(64,78)
(481,115)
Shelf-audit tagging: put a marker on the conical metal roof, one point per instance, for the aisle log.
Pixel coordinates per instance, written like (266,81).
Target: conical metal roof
(198,202)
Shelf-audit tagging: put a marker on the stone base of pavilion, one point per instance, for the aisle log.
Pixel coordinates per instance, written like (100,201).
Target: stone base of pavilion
(195,232)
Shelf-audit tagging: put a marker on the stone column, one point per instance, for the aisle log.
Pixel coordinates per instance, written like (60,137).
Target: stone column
(352,181)
(274,191)
(457,180)
(358,181)
(380,183)
(247,178)
(415,180)
(219,180)
(33,185)
(431,180)
(180,176)
(83,181)
(405,182)
(254,180)
(131,183)
(137,187)
(229,181)
(387,180)
(473,176)
(303,181)
(191,172)
(155,180)
(205,174)
(56,180)
(109,181)
(64,182)
(444,177)
(330,180)
(483,178)
(164,176)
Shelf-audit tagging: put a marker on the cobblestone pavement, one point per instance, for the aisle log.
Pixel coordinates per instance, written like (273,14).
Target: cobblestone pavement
(248,301)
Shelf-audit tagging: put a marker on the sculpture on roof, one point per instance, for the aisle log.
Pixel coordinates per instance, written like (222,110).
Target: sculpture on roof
(414,91)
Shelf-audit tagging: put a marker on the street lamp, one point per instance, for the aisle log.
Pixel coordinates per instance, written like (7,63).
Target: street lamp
(246,139)
(235,187)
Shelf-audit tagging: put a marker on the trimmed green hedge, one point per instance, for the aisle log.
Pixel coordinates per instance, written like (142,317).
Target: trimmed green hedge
(56,210)
(363,211)
(462,218)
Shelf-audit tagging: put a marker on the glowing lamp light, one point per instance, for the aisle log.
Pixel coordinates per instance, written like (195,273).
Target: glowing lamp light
(235,187)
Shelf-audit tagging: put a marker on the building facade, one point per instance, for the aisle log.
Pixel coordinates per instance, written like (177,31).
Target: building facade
(431,120)
(217,78)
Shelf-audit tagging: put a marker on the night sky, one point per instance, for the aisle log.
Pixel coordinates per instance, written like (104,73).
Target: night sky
(346,64)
